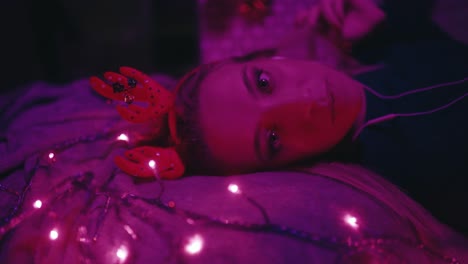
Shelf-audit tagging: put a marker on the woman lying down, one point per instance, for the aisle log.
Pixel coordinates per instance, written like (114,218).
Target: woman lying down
(297,141)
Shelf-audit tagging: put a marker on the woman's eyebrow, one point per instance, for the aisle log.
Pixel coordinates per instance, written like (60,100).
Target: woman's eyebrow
(247,83)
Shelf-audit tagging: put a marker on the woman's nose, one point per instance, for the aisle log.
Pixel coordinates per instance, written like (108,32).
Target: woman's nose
(315,105)
(314,91)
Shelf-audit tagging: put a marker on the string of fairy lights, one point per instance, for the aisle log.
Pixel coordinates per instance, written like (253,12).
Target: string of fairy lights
(83,182)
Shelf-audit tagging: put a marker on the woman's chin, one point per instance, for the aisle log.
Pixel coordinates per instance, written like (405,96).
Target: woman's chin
(361,117)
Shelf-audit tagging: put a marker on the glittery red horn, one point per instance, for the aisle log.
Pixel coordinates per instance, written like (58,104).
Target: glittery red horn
(134,86)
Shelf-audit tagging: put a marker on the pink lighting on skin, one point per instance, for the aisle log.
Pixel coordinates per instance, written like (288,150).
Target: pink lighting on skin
(37,204)
(194,245)
(53,235)
(123,137)
(351,221)
(234,188)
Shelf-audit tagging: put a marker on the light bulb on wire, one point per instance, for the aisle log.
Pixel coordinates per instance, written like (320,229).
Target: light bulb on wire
(123,137)
(234,188)
(351,221)
(194,245)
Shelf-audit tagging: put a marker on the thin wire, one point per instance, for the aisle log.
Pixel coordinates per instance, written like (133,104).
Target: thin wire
(434,110)
(397,96)
(395,115)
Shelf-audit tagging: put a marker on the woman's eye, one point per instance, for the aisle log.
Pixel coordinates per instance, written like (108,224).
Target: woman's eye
(263,82)
(273,143)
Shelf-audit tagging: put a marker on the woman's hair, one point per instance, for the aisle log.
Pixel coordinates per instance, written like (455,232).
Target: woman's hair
(192,148)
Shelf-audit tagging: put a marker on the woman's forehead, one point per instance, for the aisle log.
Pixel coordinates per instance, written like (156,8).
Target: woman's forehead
(223,96)
(228,115)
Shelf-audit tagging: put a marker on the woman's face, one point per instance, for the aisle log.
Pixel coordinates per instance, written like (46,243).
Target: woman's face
(268,113)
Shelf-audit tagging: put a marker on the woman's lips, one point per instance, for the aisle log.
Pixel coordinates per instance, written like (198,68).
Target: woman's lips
(322,98)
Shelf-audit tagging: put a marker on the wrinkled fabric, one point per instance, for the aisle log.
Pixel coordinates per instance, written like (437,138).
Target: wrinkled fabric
(44,116)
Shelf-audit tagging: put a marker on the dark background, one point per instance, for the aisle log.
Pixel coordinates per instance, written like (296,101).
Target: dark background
(59,41)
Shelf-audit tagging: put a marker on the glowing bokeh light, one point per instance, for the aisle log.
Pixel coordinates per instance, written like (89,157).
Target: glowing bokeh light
(51,155)
(351,221)
(233,188)
(130,231)
(152,164)
(171,204)
(122,137)
(37,204)
(53,235)
(81,236)
(122,253)
(194,245)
